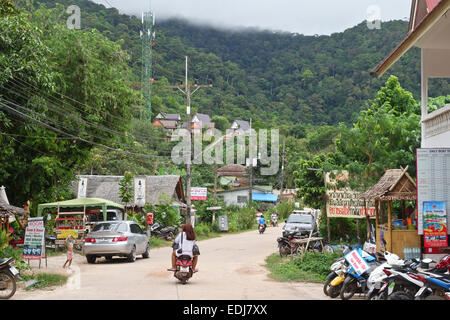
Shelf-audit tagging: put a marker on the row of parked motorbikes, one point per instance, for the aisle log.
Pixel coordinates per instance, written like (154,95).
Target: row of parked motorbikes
(389,278)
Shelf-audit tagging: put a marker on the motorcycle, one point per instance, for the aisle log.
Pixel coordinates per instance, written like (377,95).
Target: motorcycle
(166,233)
(439,287)
(285,244)
(336,277)
(355,282)
(274,221)
(8,276)
(261,228)
(184,269)
(377,277)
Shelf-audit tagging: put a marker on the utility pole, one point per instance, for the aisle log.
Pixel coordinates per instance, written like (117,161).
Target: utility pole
(282,169)
(188,92)
(147,38)
(250,178)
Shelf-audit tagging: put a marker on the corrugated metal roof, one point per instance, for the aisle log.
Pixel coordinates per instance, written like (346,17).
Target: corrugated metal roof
(266,197)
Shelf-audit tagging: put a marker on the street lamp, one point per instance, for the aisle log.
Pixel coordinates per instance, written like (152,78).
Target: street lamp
(325,199)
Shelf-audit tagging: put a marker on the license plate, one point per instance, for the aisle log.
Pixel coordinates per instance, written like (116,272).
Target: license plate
(14,271)
(184,269)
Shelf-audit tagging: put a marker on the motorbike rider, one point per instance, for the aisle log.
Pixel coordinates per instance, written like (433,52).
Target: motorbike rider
(189,247)
(262,221)
(274,217)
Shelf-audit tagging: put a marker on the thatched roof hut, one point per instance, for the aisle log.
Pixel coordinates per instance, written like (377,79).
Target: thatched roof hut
(395,184)
(7,209)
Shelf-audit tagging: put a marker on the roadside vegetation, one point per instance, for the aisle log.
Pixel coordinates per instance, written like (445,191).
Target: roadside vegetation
(314,268)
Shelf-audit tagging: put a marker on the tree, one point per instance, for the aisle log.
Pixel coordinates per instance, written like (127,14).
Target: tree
(126,189)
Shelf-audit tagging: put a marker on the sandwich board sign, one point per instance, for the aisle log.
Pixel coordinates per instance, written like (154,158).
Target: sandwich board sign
(34,243)
(357,262)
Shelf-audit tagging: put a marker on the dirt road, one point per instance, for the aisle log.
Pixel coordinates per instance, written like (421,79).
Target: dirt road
(230,268)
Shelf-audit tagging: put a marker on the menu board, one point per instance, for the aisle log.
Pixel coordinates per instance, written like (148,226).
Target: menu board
(34,243)
(433,180)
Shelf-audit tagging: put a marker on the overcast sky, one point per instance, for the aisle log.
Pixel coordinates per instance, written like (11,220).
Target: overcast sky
(307,17)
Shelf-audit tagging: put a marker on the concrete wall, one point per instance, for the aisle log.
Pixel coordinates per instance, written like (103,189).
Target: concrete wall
(230,198)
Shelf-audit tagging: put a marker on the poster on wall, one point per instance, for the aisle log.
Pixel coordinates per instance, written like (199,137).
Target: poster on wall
(82,187)
(433,180)
(139,191)
(34,242)
(345,202)
(434,224)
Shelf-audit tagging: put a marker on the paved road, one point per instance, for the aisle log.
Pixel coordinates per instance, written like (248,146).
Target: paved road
(231,267)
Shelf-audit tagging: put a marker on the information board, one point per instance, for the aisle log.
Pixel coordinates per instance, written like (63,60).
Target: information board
(357,262)
(198,193)
(345,202)
(34,243)
(435,224)
(433,180)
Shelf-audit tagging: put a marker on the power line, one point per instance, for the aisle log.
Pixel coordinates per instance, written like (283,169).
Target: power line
(47,126)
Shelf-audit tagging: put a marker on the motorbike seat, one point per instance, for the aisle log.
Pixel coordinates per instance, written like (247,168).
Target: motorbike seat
(4,261)
(185,257)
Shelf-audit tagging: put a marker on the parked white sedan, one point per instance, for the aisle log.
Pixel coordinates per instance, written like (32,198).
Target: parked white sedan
(116,238)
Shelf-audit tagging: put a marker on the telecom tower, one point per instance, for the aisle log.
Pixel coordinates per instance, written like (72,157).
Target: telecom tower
(147,37)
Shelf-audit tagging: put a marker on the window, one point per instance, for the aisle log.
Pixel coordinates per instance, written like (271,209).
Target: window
(106,227)
(123,227)
(241,199)
(135,229)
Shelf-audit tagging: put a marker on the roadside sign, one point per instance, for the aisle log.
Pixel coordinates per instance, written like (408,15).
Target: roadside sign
(214,208)
(34,243)
(198,193)
(223,223)
(357,262)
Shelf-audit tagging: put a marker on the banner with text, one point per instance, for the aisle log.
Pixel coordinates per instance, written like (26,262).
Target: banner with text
(34,244)
(345,202)
(198,193)
(434,224)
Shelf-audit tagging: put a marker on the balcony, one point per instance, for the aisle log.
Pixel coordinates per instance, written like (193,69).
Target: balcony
(436,128)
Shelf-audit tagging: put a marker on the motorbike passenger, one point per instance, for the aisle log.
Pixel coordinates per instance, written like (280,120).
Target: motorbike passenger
(189,246)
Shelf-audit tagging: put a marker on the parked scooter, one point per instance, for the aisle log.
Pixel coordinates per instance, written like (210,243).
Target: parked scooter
(8,276)
(285,244)
(167,233)
(184,269)
(335,279)
(439,286)
(354,282)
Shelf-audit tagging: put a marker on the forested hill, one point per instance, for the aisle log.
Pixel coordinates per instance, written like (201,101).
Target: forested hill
(272,77)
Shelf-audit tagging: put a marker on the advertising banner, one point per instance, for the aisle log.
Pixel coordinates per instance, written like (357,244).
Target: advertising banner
(198,193)
(34,243)
(434,224)
(345,202)
(433,181)
(139,191)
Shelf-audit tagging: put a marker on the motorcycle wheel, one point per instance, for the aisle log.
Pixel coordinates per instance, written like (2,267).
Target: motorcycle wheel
(284,251)
(348,289)
(169,237)
(400,295)
(326,285)
(7,285)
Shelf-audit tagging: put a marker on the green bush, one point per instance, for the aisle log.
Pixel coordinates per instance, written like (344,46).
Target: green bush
(4,239)
(16,254)
(202,229)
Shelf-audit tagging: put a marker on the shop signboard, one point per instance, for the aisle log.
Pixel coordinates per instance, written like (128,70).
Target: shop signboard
(433,181)
(344,202)
(434,224)
(34,243)
(357,262)
(198,193)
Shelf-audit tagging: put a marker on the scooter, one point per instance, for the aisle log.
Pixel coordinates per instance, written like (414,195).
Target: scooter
(354,282)
(285,244)
(439,286)
(336,277)
(184,269)
(274,222)
(377,277)
(164,233)
(8,276)
(261,228)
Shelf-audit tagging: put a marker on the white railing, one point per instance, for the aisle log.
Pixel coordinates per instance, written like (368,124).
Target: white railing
(437,122)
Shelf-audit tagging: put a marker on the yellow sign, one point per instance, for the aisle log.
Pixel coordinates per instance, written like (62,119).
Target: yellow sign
(68,232)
